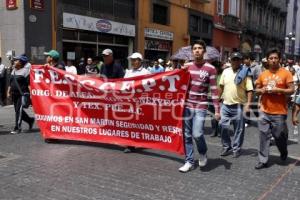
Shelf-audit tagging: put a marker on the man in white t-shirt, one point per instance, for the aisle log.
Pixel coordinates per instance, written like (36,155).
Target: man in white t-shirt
(136,69)
(136,66)
(70,67)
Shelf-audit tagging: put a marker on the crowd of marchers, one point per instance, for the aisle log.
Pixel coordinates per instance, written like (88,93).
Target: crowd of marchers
(229,92)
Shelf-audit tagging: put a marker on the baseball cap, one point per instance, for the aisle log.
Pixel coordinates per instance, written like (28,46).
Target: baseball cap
(23,59)
(264,60)
(236,55)
(53,54)
(136,55)
(107,52)
(160,60)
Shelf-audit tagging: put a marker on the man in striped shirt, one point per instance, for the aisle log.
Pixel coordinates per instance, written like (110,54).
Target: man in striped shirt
(203,78)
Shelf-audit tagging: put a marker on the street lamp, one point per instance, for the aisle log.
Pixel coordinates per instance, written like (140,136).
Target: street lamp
(291,39)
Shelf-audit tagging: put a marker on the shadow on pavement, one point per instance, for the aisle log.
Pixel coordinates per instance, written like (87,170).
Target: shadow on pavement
(7,132)
(153,154)
(4,132)
(249,152)
(84,143)
(215,163)
(275,160)
(114,147)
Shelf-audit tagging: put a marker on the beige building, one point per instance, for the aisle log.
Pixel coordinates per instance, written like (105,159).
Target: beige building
(165,26)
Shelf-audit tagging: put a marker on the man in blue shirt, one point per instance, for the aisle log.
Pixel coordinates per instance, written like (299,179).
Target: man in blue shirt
(157,68)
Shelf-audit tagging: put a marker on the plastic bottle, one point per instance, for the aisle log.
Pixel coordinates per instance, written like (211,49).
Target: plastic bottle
(296,133)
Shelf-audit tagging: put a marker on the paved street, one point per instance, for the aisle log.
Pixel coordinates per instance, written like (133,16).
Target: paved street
(32,169)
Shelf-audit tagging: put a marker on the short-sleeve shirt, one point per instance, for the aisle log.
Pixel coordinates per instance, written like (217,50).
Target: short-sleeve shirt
(275,104)
(136,72)
(233,93)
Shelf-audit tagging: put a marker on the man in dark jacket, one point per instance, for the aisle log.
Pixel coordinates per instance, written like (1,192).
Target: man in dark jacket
(110,69)
(81,67)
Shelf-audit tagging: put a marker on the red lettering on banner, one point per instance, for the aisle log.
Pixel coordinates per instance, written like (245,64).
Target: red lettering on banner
(144,111)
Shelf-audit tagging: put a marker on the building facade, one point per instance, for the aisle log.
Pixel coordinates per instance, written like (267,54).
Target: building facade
(165,26)
(227,27)
(292,39)
(86,28)
(12,29)
(77,28)
(264,24)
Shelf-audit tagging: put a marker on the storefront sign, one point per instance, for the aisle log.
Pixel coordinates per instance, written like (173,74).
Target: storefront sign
(143,111)
(158,34)
(98,25)
(11,4)
(158,45)
(71,55)
(37,4)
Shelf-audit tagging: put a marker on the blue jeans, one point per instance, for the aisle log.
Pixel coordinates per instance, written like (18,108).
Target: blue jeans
(234,114)
(194,128)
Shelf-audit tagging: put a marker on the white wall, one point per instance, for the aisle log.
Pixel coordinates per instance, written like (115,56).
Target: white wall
(12,30)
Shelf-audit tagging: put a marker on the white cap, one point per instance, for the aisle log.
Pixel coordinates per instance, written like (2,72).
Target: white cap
(160,60)
(136,55)
(107,52)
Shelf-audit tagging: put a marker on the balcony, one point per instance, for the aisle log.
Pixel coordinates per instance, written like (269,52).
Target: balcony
(263,30)
(252,26)
(232,22)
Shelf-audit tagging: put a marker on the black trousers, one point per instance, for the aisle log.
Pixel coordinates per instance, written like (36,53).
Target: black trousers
(2,85)
(20,114)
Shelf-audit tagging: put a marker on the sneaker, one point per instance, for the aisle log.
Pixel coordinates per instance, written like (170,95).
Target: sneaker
(226,152)
(129,149)
(246,125)
(284,156)
(261,165)
(236,154)
(16,131)
(186,167)
(202,160)
(272,141)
